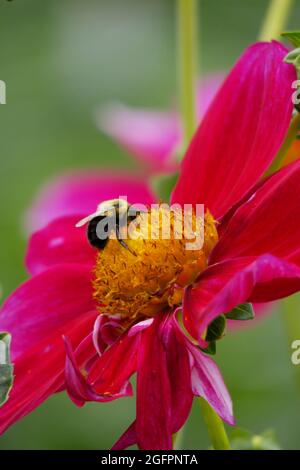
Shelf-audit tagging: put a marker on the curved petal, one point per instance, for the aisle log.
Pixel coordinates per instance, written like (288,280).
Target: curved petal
(164,392)
(81,192)
(237,140)
(268,222)
(204,378)
(127,439)
(77,387)
(106,331)
(140,326)
(112,370)
(46,303)
(57,243)
(39,371)
(208,383)
(225,285)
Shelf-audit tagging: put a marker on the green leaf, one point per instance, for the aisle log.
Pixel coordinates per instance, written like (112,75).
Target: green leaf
(242,439)
(292,56)
(216,329)
(293,37)
(6,367)
(297,62)
(241,312)
(211,348)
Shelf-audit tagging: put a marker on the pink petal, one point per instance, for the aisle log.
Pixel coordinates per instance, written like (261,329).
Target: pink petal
(106,331)
(237,139)
(81,192)
(78,388)
(127,439)
(57,243)
(140,326)
(39,371)
(207,382)
(153,402)
(169,373)
(111,371)
(225,285)
(204,377)
(179,372)
(46,303)
(268,222)
(85,352)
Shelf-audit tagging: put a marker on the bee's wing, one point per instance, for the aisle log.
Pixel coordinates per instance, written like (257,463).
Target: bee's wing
(103,208)
(86,219)
(98,213)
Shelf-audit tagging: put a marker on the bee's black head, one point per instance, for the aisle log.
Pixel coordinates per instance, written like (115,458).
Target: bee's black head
(92,233)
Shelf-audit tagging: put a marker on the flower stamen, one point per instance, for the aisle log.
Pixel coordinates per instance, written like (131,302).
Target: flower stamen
(152,279)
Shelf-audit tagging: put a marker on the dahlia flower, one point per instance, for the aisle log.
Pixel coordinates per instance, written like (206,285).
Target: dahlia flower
(87,320)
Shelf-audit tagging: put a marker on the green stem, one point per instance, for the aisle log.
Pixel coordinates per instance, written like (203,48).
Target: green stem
(215,427)
(178,439)
(290,138)
(276,19)
(187,60)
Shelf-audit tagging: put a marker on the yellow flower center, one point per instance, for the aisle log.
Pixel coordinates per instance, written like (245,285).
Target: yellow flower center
(149,275)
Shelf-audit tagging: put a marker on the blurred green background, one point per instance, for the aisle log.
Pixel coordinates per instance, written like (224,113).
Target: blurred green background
(60,59)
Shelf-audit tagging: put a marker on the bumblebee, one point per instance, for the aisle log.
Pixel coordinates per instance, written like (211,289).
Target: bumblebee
(117,214)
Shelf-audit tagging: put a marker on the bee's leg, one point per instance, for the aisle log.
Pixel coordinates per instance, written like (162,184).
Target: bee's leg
(122,242)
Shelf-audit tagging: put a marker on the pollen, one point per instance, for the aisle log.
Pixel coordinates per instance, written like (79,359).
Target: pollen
(164,251)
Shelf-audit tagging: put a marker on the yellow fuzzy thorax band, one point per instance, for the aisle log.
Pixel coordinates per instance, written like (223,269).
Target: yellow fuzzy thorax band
(150,275)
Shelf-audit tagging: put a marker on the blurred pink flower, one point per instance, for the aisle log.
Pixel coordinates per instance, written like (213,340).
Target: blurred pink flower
(150,135)
(80,192)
